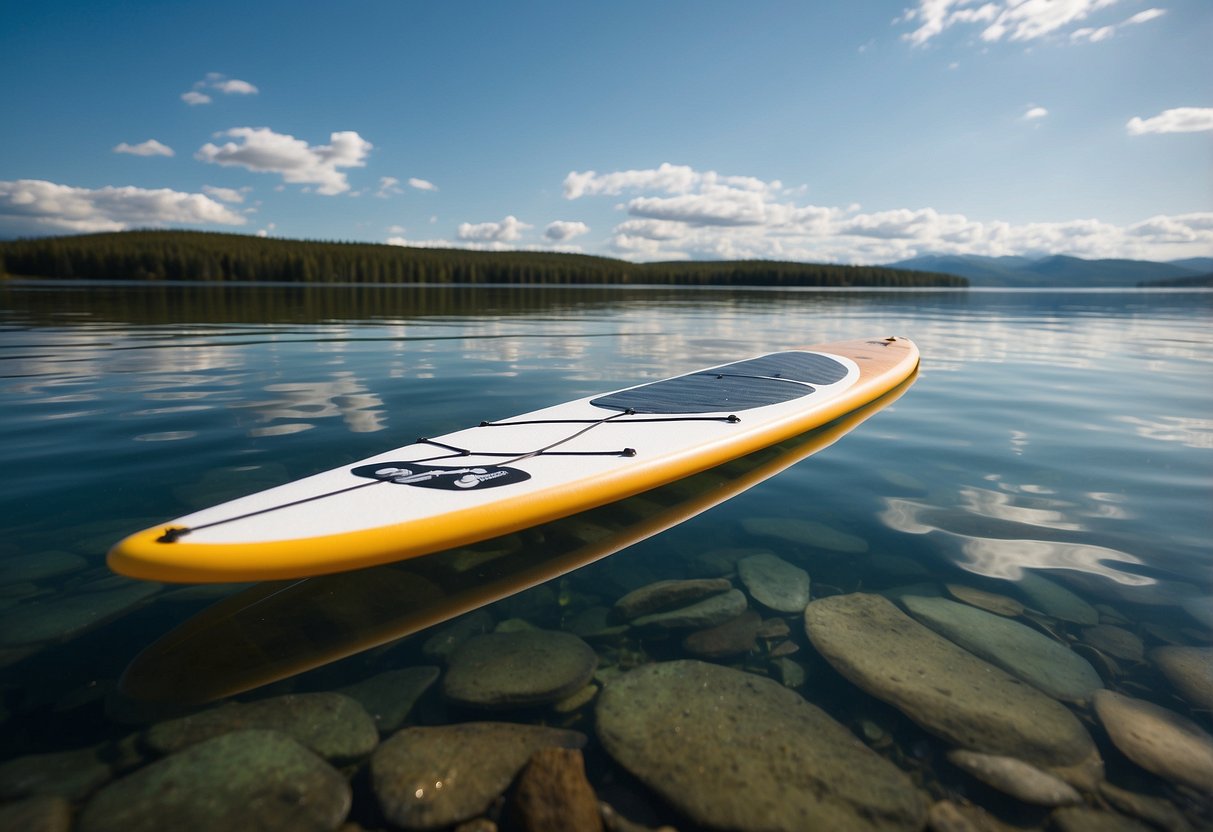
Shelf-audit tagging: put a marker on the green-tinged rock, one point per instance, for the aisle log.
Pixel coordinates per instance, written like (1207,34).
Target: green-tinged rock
(1189,670)
(1115,641)
(70,774)
(18,569)
(1088,819)
(732,638)
(1159,740)
(947,816)
(447,638)
(41,813)
(389,697)
(1054,599)
(1040,661)
(261,780)
(706,613)
(431,778)
(775,583)
(666,595)
(65,616)
(944,688)
(509,670)
(737,751)
(1021,780)
(808,532)
(333,725)
(1156,811)
(988,601)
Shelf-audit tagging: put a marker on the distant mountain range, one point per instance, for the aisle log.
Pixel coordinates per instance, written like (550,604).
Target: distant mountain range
(1061,271)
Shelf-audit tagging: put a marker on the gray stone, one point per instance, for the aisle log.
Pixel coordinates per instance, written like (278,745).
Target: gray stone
(1155,811)
(66,616)
(1190,670)
(1115,641)
(944,688)
(260,780)
(389,697)
(16,569)
(41,813)
(775,583)
(1015,777)
(737,751)
(595,623)
(1160,741)
(808,532)
(508,670)
(1018,649)
(446,639)
(70,774)
(947,816)
(1054,599)
(666,595)
(332,725)
(430,778)
(707,613)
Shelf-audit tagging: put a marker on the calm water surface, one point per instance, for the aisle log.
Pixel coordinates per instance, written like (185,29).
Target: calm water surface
(1065,436)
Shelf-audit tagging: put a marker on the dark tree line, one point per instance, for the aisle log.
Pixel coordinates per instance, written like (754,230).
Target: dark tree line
(197,255)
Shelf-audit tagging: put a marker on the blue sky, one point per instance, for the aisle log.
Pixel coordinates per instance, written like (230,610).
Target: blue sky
(818,131)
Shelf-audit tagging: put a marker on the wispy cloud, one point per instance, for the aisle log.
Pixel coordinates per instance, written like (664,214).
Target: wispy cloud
(1177,120)
(422,184)
(262,150)
(225,194)
(1014,20)
(151,147)
(217,82)
(508,230)
(38,206)
(388,186)
(1035,114)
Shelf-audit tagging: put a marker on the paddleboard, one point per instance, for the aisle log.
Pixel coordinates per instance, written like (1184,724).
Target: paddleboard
(506,475)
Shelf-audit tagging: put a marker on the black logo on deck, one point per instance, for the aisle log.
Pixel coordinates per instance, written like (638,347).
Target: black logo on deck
(442,477)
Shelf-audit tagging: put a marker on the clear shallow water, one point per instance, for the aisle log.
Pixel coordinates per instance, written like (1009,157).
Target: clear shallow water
(1066,435)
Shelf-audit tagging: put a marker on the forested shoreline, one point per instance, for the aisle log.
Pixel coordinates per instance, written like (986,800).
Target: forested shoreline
(211,256)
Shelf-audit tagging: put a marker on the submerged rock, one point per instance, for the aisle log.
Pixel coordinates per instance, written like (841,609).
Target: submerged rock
(737,751)
(244,780)
(42,813)
(775,583)
(332,725)
(732,638)
(1159,740)
(1088,819)
(988,601)
(944,688)
(16,569)
(1018,649)
(66,616)
(1190,670)
(706,613)
(389,697)
(70,774)
(808,532)
(1156,811)
(1054,599)
(1015,777)
(666,595)
(1115,641)
(430,778)
(446,639)
(509,670)
(553,794)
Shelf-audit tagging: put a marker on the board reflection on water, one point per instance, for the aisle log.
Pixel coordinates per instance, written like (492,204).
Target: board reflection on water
(1026,531)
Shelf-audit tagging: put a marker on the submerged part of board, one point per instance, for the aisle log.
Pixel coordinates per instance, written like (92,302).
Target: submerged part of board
(277,629)
(503,476)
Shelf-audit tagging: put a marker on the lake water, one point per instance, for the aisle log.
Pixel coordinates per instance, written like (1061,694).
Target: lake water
(1055,450)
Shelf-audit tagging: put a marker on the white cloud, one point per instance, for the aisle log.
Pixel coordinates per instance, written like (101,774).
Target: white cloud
(37,206)
(422,184)
(562,230)
(264,151)
(1015,20)
(1177,120)
(508,230)
(225,194)
(151,147)
(1035,114)
(220,83)
(720,222)
(667,178)
(388,186)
